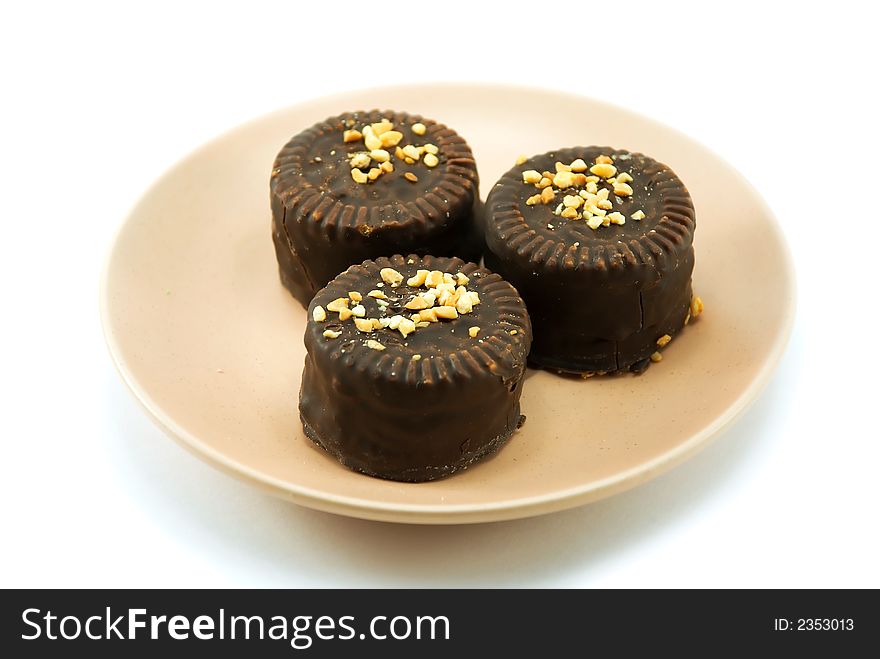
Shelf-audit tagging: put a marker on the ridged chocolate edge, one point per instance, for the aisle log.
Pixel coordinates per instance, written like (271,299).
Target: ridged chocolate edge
(506,358)
(300,198)
(673,232)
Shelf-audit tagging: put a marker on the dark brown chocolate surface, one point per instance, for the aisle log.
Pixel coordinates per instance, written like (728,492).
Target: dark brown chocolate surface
(323,221)
(430,403)
(599,299)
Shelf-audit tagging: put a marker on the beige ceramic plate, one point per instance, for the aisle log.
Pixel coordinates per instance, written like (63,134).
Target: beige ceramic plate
(211,344)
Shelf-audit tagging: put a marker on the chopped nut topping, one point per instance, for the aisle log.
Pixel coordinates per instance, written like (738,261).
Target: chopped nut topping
(418,279)
(375,345)
(391,276)
(463,304)
(429,315)
(448,313)
(563,180)
(331,334)
(473,331)
(318,314)
(447,289)
(604,170)
(381,127)
(594,200)
(638,215)
(411,152)
(696,307)
(390,138)
(338,304)
(419,128)
(370,139)
(520,159)
(378,138)
(409,176)
(664,340)
(622,189)
(433,279)
(359,159)
(406,326)
(656,357)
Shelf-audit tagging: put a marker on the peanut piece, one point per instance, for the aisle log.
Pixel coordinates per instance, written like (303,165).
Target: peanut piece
(391,276)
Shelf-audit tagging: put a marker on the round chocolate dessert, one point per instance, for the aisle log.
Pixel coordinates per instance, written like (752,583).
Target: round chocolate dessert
(369,184)
(599,243)
(414,366)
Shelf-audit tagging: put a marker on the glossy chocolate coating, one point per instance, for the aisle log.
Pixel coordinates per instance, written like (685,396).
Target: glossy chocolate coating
(386,414)
(323,221)
(598,299)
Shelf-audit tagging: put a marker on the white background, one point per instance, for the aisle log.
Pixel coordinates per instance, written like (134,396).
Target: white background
(98,100)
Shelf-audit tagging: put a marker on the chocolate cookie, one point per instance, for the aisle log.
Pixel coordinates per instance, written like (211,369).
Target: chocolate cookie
(599,242)
(368,184)
(414,366)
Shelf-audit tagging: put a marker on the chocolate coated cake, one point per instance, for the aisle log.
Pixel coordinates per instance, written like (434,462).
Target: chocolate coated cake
(368,184)
(599,243)
(414,366)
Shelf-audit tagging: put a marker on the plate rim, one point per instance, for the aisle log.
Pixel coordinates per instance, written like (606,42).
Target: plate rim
(468,512)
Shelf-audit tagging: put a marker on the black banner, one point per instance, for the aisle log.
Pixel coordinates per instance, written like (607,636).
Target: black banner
(389,623)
